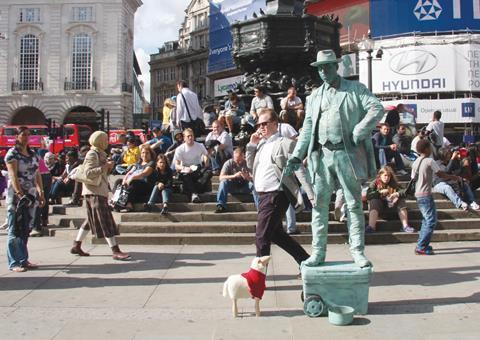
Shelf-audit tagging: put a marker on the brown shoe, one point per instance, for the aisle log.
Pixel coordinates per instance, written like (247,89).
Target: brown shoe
(31,265)
(119,255)
(77,249)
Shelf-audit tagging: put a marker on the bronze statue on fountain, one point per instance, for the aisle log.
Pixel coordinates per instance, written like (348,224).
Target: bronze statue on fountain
(273,47)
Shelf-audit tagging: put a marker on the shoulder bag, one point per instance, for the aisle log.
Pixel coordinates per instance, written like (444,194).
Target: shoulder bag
(410,189)
(80,175)
(197,125)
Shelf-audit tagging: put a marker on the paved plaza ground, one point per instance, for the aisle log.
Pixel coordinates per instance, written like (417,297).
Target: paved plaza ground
(174,292)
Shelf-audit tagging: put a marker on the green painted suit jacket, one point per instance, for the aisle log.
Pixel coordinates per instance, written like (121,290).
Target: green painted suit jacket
(360,111)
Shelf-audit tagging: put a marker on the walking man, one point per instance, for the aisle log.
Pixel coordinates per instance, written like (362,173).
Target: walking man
(336,139)
(267,154)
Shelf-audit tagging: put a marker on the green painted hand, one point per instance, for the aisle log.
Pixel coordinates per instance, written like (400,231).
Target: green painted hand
(293,164)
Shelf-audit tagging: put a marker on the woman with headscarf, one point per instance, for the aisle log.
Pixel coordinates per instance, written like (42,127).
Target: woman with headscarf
(24,185)
(52,164)
(99,216)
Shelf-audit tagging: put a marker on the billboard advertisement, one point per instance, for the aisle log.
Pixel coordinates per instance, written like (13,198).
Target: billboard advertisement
(389,18)
(425,69)
(460,110)
(352,14)
(222,14)
(222,86)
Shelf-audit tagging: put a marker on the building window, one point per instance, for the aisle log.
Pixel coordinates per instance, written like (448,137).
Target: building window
(29,57)
(29,15)
(82,62)
(82,14)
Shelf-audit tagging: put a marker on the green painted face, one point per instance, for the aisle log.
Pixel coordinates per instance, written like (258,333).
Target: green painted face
(328,72)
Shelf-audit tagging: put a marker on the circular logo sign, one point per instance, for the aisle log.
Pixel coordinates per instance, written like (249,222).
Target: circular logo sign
(413,62)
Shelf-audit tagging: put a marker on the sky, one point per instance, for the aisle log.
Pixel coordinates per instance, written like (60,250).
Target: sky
(156,22)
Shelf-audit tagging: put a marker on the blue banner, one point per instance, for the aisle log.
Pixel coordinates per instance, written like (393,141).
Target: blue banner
(468,109)
(392,17)
(222,14)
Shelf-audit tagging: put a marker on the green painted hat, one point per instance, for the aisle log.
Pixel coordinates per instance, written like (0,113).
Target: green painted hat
(325,57)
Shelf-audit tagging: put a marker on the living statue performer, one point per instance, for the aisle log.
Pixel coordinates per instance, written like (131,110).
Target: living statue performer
(336,139)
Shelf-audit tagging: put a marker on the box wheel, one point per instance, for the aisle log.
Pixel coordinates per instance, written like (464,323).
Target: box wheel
(313,306)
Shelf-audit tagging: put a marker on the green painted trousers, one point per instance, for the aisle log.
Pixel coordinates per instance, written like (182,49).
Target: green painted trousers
(335,165)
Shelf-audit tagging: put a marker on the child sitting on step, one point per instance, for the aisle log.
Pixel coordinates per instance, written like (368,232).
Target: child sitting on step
(385,192)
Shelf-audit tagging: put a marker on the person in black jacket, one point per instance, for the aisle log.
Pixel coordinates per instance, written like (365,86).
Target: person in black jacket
(163,185)
(386,149)
(393,120)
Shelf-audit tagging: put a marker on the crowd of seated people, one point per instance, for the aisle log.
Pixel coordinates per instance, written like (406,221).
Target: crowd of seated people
(457,163)
(172,160)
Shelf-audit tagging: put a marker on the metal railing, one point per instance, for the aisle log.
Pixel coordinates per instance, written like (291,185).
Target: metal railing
(80,85)
(126,87)
(27,86)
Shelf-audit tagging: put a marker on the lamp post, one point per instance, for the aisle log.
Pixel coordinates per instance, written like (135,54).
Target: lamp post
(368,44)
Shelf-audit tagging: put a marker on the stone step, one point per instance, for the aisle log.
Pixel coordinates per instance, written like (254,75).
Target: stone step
(244,206)
(249,226)
(249,238)
(210,216)
(212,197)
(57,210)
(216,183)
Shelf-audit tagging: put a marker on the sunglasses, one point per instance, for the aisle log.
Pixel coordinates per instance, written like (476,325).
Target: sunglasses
(264,124)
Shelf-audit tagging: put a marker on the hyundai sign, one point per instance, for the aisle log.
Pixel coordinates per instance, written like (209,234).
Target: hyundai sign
(389,18)
(425,68)
(222,14)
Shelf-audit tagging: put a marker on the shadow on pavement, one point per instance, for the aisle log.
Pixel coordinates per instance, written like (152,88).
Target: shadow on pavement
(285,288)
(459,250)
(142,262)
(286,313)
(426,277)
(417,306)
(360,321)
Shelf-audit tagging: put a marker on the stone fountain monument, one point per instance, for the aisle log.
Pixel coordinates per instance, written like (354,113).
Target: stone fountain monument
(275,47)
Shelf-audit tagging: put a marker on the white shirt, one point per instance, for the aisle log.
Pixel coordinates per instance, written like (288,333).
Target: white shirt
(286,103)
(193,106)
(286,130)
(438,127)
(266,179)
(190,155)
(260,103)
(224,138)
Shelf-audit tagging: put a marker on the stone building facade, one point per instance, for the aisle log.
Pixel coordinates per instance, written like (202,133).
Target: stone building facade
(185,58)
(66,60)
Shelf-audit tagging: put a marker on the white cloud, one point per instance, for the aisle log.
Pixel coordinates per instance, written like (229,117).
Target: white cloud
(156,22)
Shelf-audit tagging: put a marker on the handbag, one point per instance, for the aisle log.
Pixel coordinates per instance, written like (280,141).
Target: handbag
(410,189)
(197,125)
(79,174)
(120,197)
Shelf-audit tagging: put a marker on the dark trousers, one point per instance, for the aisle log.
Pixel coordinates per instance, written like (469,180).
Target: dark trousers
(40,215)
(271,209)
(77,192)
(475,182)
(195,182)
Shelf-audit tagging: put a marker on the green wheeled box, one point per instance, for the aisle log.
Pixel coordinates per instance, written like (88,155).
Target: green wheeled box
(335,284)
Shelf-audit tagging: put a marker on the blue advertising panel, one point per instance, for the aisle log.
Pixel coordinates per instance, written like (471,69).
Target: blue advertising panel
(392,17)
(468,109)
(222,14)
